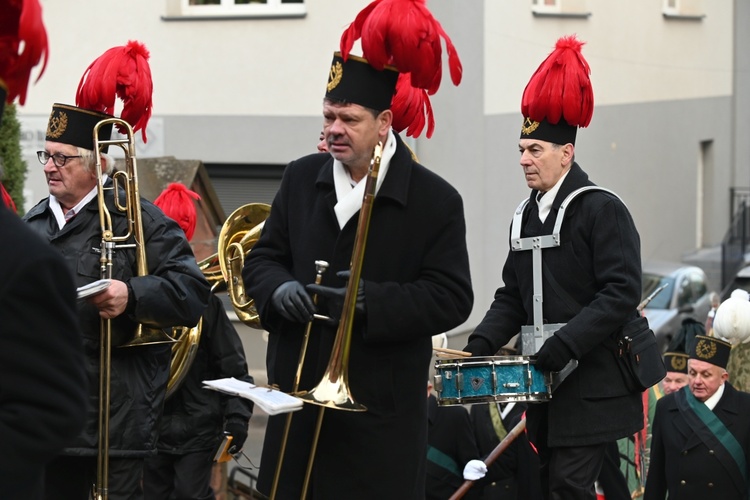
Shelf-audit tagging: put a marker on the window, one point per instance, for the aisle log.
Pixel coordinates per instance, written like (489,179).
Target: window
(560,8)
(186,9)
(683,9)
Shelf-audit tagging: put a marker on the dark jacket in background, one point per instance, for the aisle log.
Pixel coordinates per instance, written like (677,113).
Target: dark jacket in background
(449,431)
(514,475)
(173,293)
(43,383)
(193,418)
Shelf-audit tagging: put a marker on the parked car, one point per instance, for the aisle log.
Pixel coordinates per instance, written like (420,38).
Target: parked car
(685,295)
(741,280)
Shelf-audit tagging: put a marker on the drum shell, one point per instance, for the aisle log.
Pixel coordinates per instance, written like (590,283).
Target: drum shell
(490,379)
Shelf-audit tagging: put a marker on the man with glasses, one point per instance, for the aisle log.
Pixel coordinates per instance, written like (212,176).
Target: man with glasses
(173,292)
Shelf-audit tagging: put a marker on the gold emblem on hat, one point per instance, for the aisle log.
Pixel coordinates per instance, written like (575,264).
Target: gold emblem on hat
(529,126)
(334,77)
(705,349)
(57,125)
(678,363)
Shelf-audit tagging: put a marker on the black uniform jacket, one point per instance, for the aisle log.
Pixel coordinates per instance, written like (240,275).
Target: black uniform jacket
(682,465)
(417,284)
(194,417)
(42,378)
(515,473)
(450,432)
(173,293)
(599,265)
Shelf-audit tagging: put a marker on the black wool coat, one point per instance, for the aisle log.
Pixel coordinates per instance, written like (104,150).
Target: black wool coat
(173,293)
(599,265)
(42,378)
(682,465)
(417,284)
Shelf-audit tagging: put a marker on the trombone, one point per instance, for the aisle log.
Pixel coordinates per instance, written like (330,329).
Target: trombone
(333,390)
(143,335)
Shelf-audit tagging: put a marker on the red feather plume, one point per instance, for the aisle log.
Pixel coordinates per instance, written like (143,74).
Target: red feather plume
(404,34)
(6,199)
(176,201)
(411,108)
(122,72)
(561,87)
(23,43)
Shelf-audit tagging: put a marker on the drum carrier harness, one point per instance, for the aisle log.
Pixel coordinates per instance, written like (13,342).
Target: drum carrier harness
(533,336)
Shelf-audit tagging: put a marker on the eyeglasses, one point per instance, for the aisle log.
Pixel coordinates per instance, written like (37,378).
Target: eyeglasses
(58,159)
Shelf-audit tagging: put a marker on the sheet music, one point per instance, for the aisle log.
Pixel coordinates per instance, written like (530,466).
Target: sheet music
(270,400)
(97,286)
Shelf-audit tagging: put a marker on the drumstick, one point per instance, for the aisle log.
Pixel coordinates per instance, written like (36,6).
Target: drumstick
(499,449)
(454,352)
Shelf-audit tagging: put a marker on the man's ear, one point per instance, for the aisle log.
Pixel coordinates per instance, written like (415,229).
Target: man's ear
(568,150)
(384,119)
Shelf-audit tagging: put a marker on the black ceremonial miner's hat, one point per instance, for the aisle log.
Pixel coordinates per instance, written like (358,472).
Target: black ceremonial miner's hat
(676,361)
(711,350)
(355,81)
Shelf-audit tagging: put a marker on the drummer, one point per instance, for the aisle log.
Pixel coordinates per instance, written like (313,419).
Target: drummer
(591,286)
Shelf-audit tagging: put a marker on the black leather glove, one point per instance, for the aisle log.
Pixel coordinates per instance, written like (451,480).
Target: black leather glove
(293,302)
(478,347)
(335,296)
(554,355)
(238,431)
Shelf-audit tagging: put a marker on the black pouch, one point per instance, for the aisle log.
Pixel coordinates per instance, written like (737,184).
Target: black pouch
(638,356)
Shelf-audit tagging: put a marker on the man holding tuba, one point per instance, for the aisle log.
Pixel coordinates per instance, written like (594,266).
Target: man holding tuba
(414,284)
(172,291)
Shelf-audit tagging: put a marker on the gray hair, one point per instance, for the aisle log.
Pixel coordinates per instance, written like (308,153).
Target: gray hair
(89,162)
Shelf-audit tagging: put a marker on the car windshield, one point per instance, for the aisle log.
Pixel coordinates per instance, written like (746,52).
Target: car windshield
(651,282)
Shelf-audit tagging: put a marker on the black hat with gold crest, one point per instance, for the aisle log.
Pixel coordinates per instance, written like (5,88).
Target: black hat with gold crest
(401,63)
(558,98)
(711,350)
(354,81)
(121,71)
(676,362)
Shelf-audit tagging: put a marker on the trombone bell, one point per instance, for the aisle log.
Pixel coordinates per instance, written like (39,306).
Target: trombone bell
(332,394)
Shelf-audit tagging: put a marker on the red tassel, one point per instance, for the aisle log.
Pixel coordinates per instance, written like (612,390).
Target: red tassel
(21,29)
(176,201)
(404,34)
(560,87)
(121,72)
(411,107)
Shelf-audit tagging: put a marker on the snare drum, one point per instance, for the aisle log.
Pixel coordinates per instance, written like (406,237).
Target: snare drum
(492,378)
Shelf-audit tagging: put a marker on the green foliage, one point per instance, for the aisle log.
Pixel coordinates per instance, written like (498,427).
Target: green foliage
(13,165)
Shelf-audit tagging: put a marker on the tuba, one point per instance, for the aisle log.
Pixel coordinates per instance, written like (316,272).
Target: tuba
(127,180)
(237,236)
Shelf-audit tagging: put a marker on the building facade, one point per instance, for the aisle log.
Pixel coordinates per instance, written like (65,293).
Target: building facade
(240,87)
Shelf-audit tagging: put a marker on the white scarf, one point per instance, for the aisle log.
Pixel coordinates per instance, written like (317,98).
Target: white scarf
(350,197)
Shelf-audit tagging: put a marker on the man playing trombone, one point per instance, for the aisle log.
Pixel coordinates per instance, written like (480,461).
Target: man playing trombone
(166,289)
(414,284)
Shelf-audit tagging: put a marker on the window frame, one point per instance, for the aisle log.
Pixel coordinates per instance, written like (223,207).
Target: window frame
(228,9)
(540,7)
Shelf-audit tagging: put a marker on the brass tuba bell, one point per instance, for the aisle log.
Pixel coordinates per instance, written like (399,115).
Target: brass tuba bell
(237,236)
